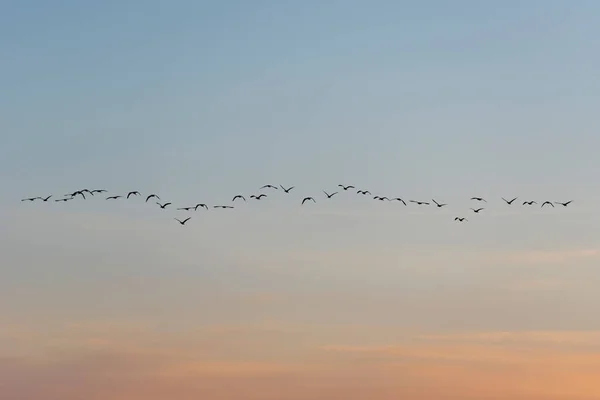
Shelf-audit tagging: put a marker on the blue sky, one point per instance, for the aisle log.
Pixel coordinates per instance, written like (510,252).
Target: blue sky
(198,101)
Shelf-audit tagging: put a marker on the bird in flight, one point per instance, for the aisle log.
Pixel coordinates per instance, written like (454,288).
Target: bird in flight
(330,195)
(439,205)
(304,200)
(30,199)
(222,206)
(288,189)
(44,198)
(528,203)
(420,203)
(260,196)
(479,199)
(399,199)
(134,193)
(97,191)
(79,192)
(186,208)
(65,199)
(460,219)
(363,192)
(380,198)
(477,210)
(200,205)
(347,187)
(239,196)
(162,205)
(509,202)
(151,196)
(113,197)
(564,204)
(547,202)
(269,186)
(184,221)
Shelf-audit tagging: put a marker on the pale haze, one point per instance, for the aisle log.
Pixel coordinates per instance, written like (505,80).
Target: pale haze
(347,298)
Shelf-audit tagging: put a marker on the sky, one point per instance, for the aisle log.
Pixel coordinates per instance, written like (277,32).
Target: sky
(198,101)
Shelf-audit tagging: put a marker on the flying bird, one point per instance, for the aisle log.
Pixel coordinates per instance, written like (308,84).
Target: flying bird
(260,196)
(347,187)
(330,195)
(30,199)
(186,208)
(477,210)
(509,202)
(547,202)
(44,198)
(304,200)
(288,189)
(529,202)
(65,199)
(564,204)
(79,192)
(200,205)
(269,186)
(439,205)
(113,197)
(380,198)
(399,199)
(222,206)
(97,191)
(239,196)
(363,192)
(134,193)
(151,196)
(162,205)
(479,199)
(460,219)
(184,221)
(419,202)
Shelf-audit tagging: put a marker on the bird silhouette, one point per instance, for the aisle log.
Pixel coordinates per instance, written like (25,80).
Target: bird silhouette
(347,187)
(460,219)
(162,205)
(98,191)
(151,196)
(44,198)
(380,198)
(330,195)
(79,192)
(269,186)
(113,197)
(477,210)
(564,204)
(185,208)
(260,196)
(528,203)
(363,192)
(420,203)
(239,196)
(479,199)
(547,202)
(134,193)
(184,221)
(304,200)
(65,199)
(439,205)
(509,202)
(288,189)
(200,205)
(30,199)
(222,206)
(399,199)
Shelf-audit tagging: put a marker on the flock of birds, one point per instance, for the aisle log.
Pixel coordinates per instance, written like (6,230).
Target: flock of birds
(239,197)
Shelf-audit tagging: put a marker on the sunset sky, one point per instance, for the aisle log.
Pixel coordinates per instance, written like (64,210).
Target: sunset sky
(347,298)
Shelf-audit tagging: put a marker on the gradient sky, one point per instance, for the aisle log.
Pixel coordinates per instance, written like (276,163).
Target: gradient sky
(344,299)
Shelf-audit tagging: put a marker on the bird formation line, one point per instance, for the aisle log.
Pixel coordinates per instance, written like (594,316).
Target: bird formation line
(260,195)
